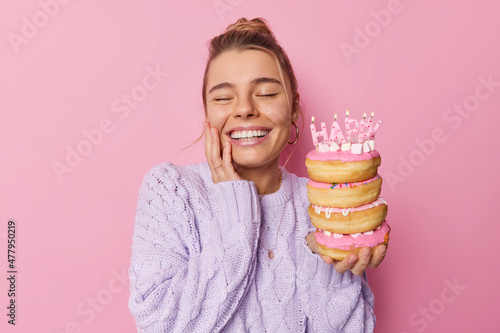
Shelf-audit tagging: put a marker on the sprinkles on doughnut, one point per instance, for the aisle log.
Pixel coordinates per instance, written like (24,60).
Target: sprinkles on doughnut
(344,188)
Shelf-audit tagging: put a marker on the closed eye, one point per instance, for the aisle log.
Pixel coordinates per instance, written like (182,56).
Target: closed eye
(227,99)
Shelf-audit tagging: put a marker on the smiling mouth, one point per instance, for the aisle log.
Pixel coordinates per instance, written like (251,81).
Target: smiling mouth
(248,135)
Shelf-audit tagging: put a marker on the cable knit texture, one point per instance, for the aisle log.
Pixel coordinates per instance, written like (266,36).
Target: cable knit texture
(199,260)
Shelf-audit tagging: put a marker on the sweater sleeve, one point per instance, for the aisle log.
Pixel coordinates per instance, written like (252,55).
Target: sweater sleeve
(178,284)
(332,302)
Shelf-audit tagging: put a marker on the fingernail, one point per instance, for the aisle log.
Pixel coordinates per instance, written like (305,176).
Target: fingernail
(382,250)
(351,260)
(365,254)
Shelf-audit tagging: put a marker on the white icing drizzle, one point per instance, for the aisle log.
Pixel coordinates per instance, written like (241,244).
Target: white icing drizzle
(368,232)
(327,233)
(338,235)
(377,202)
(378,227)
(328,212)
(345,211)
(356,234)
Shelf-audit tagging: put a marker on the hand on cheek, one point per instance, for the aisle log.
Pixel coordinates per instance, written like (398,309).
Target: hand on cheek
(221,165)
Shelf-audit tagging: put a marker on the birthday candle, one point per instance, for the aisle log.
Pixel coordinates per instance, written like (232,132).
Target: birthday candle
(376,129)
(371,141)
(336,135)
(315,134)
(365,129)
(350,131)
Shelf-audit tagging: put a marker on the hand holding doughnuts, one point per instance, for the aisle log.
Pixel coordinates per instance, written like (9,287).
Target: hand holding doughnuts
(356,264)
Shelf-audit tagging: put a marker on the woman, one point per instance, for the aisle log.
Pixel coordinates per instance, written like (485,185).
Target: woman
(227,245)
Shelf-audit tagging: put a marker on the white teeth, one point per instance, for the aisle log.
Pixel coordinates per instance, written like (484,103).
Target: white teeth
(248,134)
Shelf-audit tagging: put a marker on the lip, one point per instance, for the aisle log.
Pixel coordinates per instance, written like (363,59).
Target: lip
(252,142)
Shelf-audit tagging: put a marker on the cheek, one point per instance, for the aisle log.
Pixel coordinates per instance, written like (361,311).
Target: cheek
(216,118)
(280,117)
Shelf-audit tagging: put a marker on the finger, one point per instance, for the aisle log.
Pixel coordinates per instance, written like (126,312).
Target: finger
(209,150)
(346,264)
(327,259)
(378,256)
(215,153)
(363,259)
(227,162)
(208,140)
(226,156)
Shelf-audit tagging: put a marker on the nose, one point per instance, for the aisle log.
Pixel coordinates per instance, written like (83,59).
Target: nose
(245,108)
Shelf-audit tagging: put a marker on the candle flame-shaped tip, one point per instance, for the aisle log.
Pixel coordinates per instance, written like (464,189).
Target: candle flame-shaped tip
(335,116)
(364,115)
(373,114)
(347,113)
(312,119)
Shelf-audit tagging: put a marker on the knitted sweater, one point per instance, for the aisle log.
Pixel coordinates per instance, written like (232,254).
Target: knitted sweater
(199,260)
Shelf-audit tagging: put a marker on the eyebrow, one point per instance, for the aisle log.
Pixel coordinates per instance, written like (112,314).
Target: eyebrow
(255,81)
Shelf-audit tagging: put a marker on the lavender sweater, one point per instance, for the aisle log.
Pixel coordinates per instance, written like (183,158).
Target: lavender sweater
(199,264)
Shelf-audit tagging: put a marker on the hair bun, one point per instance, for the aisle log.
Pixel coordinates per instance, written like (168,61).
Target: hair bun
(258,24)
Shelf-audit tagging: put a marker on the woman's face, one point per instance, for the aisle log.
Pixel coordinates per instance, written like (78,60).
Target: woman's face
(246,102)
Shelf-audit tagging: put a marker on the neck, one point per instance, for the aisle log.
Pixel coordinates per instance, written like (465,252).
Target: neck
(266,178)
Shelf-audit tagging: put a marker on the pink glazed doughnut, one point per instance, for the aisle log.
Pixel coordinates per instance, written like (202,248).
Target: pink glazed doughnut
(344,195)
(349,220)
(342,166)
(338,246)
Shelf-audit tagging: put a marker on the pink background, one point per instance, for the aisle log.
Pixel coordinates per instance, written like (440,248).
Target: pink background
(67,76)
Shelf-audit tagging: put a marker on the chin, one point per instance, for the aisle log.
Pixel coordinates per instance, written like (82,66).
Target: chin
(253,160)
(247,163)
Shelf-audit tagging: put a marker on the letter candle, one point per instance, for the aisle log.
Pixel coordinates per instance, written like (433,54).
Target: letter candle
(336,135)
(365,130)
(348,129)
(376,129)
(365,141)
(315,134)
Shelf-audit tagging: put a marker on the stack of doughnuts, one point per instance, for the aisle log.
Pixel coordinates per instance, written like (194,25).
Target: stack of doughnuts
(346,209)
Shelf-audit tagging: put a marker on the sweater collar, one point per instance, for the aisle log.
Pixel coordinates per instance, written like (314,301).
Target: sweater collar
(282,195)
(275,199)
